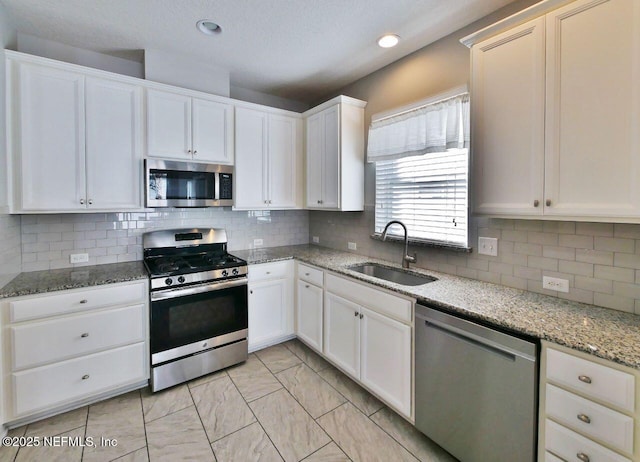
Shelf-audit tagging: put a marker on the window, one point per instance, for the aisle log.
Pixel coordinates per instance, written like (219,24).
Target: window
(428,193)
(422,163)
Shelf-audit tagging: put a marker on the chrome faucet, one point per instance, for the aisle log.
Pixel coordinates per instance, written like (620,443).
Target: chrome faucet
(406,259)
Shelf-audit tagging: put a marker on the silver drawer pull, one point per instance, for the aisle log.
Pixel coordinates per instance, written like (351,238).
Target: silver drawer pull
(584,418)
(84,301)
(268,272)
(583,457)
(85,335)
(307,274)
(584,378)
(85,377)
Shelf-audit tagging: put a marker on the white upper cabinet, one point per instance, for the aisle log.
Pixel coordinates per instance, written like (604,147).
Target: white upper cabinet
(335,155)
(74,140)
(593,109)
(555,114)
(268,160)
(184,128)
(113,144)
(49,139)
(508,121)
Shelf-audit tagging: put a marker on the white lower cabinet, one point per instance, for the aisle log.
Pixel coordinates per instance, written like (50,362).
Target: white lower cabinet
(89,344)
(309,314)
(587,408)
(270,303)
(368,344)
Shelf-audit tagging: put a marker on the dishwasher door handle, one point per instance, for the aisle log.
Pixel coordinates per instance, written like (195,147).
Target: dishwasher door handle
(473,341)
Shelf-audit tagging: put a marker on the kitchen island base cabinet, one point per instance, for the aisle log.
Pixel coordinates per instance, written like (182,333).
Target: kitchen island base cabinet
(68,348)
(270,304)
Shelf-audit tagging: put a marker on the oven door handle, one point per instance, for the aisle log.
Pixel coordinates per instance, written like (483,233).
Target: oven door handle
(185,291)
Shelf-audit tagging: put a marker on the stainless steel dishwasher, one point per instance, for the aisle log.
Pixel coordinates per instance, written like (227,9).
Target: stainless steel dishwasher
(476,389)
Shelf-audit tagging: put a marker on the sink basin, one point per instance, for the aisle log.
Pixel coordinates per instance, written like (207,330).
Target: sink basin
(398,276)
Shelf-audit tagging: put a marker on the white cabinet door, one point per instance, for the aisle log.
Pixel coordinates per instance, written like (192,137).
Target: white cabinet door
(282,159)
(268,311)
(168,125)
(342,333)
(331,158)
(212,125)
(251,158)
(385,365)
(508,87)
(310,314)
(593,108)
(51,155)
(113,144)
(315,139)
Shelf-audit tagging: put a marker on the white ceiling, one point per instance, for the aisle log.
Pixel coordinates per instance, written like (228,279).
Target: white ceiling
(297,49)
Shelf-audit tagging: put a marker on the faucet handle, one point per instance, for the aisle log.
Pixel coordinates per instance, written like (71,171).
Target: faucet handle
(411,258)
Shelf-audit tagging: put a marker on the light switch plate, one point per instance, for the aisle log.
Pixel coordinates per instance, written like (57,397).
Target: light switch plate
(557,284)
(315,239)
(79,258)
(488,246)
(257,242)
(351,246)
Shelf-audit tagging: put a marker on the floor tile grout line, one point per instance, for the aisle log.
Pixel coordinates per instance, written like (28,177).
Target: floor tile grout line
(86,428)
(204,428)
(144,425)
(256,417)
(390,435)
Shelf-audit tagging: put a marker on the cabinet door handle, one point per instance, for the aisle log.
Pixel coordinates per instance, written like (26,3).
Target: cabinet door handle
(306,286)
(583,457)
(188,151)
(548,203)
(85,377)
(268,272)
(90,201)
(81,201)
(318,201)
(251,291)
(536,203)
(584,418)
(85,335)
(307,274)
(195,152)
(355,314)
(584,378)
(361,315)
(84,301)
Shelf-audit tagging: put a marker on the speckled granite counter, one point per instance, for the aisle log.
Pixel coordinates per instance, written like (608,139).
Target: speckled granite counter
(37,282)
(605,333)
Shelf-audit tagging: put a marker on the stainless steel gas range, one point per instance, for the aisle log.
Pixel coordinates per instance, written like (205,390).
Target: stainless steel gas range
(199,314)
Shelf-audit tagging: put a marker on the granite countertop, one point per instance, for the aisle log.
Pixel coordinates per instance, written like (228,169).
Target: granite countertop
(37,282)
(602,332)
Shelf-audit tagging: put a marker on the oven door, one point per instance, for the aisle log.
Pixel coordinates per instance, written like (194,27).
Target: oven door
(188,320)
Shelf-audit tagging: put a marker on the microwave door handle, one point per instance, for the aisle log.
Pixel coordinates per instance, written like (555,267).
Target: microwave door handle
(216,186)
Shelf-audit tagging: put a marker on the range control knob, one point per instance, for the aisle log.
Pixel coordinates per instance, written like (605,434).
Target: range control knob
(181,279)
(168,281)
(235,271)
(225,273)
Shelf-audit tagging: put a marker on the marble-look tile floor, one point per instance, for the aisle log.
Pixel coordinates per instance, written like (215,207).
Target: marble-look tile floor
(285,403)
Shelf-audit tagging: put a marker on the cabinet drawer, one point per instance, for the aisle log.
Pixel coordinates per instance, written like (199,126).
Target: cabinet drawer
(76,300)
(591,379)
(53,340)
(567,444)
(67,381)
(276,270)
(309,274)
(369,297)
(609,426)
(548,457)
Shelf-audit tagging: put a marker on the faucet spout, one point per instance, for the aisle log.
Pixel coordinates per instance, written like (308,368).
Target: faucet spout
(406,258)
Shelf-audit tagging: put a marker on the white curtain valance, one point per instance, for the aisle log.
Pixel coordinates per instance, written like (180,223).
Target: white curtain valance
(434,127)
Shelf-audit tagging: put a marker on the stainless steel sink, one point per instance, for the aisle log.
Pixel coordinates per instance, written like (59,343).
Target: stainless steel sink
(398,276)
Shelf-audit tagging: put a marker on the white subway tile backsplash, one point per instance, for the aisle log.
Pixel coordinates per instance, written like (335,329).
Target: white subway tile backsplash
(575,241)
(614,244)
(575,267)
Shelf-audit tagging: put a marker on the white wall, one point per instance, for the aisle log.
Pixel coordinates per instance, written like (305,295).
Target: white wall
(61,52)
(185,71)
(252,96)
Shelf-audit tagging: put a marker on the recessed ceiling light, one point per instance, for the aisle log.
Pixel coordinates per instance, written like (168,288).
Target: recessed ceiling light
(208,27)
(388,41)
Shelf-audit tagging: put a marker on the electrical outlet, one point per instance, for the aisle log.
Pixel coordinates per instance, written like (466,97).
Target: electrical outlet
(352,246)
(488,246)
(79,258)
(257,242)
(557,284)
(315,239)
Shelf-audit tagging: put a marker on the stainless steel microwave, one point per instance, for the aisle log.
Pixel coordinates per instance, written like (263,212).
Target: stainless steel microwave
(187,184)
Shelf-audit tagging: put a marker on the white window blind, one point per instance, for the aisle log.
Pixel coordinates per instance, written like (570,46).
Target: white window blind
(428,193)
(422,162)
